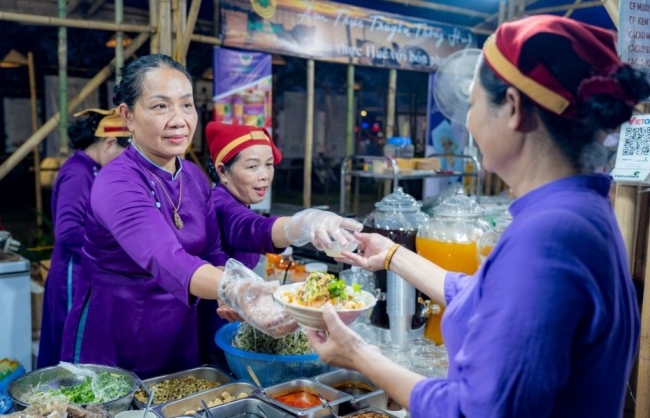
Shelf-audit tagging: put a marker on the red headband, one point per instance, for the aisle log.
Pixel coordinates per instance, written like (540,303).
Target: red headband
(596,46)
(226,141)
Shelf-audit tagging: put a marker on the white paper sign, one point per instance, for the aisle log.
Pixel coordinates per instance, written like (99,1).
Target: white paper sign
(634,32)
(633,157)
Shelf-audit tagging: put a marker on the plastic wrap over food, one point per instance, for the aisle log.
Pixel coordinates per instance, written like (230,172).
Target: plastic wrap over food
(252,298)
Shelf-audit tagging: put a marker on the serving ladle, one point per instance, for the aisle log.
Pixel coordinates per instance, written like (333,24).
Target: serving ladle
(326,404)
(256,380)
(207,410)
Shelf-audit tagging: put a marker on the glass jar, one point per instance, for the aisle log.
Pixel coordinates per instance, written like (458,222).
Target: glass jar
(449,239)
(398,217)
(489,240)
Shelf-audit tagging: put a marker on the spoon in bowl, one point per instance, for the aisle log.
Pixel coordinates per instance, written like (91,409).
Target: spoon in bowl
(151,394)
(207,410)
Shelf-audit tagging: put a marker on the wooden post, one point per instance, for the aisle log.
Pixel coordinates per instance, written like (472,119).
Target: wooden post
(349,129)
(309,136)
(165,27)
(63,82)
(611,6)
(119,45)
(189,29)
(154,44)
(390,115)
(37,153)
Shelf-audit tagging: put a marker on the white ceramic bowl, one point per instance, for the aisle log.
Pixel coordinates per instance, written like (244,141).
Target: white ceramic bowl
(313,317)
(336,249)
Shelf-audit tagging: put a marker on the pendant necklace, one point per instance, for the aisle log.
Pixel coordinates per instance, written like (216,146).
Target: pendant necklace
(177,217)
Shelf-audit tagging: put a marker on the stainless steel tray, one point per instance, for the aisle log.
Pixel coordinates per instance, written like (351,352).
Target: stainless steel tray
(248,408)
(378,410)
(204,372)
(193,402)
(333,396)
(375,399)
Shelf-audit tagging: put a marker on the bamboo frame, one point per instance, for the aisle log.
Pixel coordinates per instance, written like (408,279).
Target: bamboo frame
(189,28)
(52,123)
(63,80)
(72,23)
(36,151)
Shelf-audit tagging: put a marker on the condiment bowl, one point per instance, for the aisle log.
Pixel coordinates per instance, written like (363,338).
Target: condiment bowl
(313,317)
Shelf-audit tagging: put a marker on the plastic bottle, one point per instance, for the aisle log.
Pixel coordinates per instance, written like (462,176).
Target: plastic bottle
(283,265)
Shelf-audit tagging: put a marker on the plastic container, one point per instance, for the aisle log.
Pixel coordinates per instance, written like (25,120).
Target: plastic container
(270,369)
(399,147)
(312,267)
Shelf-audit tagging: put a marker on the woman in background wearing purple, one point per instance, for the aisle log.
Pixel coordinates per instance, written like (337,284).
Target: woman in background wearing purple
(549,325)
(152,248)
(98,138)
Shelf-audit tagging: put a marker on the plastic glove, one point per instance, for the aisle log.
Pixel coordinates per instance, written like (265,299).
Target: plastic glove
(321,228)
(246,292)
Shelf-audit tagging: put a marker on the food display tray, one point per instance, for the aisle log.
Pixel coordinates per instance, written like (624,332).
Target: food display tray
(193,402)
(210,373)
(377,410)
(375,399)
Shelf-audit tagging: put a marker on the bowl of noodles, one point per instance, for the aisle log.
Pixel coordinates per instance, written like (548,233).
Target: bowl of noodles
(304,301)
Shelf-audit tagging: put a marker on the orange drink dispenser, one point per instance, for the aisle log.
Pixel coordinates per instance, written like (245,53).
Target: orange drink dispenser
(489,240)
(449,239)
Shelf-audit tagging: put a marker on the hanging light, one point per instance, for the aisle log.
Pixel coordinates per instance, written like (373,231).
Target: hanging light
(13,59)
(112,43)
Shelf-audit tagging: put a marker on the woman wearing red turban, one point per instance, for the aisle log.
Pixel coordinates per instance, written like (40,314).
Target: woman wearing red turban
(242,166)
(549,325)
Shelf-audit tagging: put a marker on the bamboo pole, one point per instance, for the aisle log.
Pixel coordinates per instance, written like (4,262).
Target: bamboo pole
(94,7)
(71,23)
(309,136)
(565,7)
(52,123)
(625,209)
(642,408)
(189,28)
(390,115)
(36,151)
(153,21)
(119,37)
(165,27)
(611,6)
(570,12)
(176,32)
(349,129)
(216,10)
(211,40)
(63,81)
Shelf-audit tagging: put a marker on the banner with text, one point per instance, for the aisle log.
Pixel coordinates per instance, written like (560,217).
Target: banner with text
(634,32)
(335,32)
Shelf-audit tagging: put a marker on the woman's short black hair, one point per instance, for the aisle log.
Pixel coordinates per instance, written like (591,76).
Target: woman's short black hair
(598,113)
(130,88)
(81,132)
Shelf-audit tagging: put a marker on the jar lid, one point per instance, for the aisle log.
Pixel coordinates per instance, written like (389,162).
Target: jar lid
(503,220)
(458,205)
(398,201)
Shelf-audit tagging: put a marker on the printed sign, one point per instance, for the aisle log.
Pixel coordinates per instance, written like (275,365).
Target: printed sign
(634,32)
(633,157)
(342,33)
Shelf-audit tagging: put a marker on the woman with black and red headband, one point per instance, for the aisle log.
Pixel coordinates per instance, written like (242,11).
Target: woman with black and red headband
(549,325)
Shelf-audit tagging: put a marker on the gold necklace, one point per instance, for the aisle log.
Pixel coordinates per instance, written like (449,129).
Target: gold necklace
(177,218)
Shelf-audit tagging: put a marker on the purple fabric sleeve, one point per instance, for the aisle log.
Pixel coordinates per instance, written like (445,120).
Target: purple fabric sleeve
(454,283)
(140,229)
(72,200)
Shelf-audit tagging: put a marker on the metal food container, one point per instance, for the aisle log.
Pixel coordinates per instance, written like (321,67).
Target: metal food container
(204,372)
(375,399)
(376,410)
(193,402)
(249,407)
(333,396)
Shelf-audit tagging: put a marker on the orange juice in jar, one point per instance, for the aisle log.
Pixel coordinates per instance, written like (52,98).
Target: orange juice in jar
(272,261)
(449,240)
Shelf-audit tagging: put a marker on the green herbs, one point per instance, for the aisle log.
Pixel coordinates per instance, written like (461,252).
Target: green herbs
(336,289)
(104,387)
(250,339)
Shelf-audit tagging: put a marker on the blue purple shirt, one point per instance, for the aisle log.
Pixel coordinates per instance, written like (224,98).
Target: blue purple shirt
(549,325)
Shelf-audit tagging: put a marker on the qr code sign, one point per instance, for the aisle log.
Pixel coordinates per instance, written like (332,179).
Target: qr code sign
(636,141)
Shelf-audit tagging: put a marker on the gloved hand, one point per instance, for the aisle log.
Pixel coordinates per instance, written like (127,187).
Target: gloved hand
(246,292)
(320,227)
